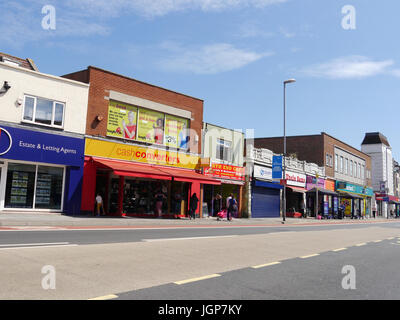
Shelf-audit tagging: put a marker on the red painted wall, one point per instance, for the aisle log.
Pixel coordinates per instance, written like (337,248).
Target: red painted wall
(88,186)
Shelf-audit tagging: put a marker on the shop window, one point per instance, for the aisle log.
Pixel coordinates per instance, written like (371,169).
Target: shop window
(34,187)
(49,185)
(224,150)
(43,111)
(20,186)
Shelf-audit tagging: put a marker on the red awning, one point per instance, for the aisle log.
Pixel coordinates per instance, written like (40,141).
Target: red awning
(297,189)
(130,169)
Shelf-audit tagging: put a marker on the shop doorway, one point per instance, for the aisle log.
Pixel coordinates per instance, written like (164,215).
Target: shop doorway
(224,190)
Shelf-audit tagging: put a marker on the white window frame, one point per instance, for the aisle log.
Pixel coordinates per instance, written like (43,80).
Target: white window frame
(341,164)
(34,112)
(228,158)
(351,168)
(346,166)
(336,163)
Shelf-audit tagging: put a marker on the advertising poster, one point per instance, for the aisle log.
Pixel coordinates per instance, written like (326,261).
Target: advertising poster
(151,127)
(122,120)
(347,206)
(176,132)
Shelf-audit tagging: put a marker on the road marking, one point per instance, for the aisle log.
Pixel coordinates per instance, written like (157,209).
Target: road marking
(32,244)
(390,238)
(340,249)
(108,297)
(376,241)
(198,279)
(360,244)
(187,238)
(35,247)
(266,265)
(310,256)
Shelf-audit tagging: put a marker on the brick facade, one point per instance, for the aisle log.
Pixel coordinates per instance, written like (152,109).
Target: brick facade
(312,148)
(102,81)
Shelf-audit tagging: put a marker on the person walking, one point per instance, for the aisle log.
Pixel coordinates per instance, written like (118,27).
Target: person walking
(99,205)
(232,207)
(193,206)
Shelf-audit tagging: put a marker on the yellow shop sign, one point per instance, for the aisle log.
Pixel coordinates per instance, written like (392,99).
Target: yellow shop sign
(113,150)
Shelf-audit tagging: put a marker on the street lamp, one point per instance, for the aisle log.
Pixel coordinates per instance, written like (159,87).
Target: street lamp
(284,146)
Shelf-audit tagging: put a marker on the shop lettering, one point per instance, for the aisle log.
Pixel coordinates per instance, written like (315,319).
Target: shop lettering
(295,178)
(43,147)
(147,156)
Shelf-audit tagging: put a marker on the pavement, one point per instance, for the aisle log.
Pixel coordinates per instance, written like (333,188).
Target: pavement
(57,219)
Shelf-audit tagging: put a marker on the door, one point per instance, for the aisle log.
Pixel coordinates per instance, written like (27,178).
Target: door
(265,203)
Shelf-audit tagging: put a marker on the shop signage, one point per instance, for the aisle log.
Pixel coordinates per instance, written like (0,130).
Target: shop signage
(277,167)
(313,182)
(120,151)
(295,179)
(5,141)
(224,171)
(34,146)
(353,188)
(330,185)
(262,173)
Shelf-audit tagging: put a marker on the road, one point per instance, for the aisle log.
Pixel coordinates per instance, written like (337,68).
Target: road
(276,262)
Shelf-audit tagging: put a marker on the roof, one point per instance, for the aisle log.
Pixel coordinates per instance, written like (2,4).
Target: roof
(375,138)
(23,63)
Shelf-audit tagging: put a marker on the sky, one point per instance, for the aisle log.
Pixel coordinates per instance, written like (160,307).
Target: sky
(234,55)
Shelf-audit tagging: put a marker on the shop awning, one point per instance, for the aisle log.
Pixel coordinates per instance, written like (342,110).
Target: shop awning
(297,189)
(350,195)
(130,169)
(323,191)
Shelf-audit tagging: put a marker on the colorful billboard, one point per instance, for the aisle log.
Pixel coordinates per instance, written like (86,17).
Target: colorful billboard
(224,171)
(122,120)
(176,132)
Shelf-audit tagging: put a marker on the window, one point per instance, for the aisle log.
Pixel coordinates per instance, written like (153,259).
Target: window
(328,160)
(224,150)
(359,170)
(341,164)
(346,166)
(355,169)
(336,162)
(351,168)
(34,187)
(43,111)
(363,172)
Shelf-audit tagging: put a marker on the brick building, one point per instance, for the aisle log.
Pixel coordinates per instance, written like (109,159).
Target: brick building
(143,147)
(345,166)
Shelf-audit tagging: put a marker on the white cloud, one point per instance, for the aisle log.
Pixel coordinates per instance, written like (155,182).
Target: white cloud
(208,59)
(348,68)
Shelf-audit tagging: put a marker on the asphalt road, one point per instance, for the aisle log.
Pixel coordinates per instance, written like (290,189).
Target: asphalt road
(206,263)
(376,270)
(103,236)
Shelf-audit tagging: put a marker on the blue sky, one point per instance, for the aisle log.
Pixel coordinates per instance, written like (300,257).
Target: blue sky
(233,54)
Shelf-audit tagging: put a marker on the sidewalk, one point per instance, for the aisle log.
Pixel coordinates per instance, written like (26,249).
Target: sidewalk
(60,220)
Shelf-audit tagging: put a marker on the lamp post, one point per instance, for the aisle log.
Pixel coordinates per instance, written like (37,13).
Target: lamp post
(284,147)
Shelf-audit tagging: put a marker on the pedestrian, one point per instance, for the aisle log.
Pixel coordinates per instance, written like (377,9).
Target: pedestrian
(217,205)
(232,207)
(159,203)
(193,206)
(99,205)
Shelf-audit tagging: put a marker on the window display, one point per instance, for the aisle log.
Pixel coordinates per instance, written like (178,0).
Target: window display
(21,190)
(20,186)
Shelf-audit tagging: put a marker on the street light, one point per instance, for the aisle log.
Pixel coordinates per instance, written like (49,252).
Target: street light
(284,146)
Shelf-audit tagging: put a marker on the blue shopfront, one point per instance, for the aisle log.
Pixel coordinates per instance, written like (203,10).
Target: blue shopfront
(265,194)
(40,171)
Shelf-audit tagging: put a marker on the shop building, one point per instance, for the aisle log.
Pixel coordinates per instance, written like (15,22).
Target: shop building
(143,147)
(224,149)
(43,120)
(341,162)
(377,146)
(264,194)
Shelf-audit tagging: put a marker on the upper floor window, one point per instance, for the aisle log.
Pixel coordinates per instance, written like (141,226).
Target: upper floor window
(224,150)
(336,162)
(43,111)
(351,168)
(346,166)
(341,164)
